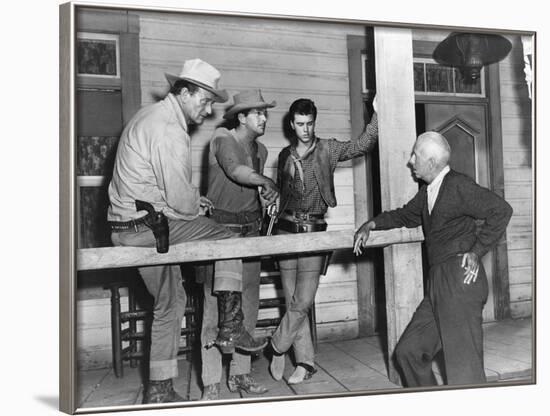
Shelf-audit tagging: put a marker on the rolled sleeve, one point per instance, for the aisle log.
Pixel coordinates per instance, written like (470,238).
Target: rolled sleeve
(365,143)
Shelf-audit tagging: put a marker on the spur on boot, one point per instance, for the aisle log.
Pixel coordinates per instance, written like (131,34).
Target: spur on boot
(232,334)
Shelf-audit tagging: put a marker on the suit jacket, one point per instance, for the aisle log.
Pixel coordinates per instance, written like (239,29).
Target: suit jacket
(451,228)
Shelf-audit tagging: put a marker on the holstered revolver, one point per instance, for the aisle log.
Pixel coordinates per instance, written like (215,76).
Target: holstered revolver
(158,223)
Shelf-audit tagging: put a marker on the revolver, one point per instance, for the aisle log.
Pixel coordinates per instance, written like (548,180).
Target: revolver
(158,223)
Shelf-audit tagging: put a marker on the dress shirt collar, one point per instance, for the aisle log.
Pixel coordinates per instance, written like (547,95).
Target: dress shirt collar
(436,183)
(434,187)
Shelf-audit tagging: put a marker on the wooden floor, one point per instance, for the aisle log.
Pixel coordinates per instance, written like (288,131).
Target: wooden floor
(343,366)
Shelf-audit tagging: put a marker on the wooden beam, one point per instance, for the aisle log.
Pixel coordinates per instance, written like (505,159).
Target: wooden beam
(397,132)
(362,186)
(209,250)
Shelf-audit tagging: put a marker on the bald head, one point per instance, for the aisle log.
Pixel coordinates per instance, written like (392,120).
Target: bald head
(430,155)
(434,145)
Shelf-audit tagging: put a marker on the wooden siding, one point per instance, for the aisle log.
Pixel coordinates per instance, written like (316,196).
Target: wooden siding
(289,60)
(286,60)
(518,178)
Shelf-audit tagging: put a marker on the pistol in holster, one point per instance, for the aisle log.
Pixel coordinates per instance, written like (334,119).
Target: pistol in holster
(158,223)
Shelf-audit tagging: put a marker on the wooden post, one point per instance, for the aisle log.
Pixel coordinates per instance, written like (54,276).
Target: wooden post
(396,127)
(362,184)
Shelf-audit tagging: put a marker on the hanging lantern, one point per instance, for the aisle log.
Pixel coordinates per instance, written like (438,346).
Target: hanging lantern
(471,51)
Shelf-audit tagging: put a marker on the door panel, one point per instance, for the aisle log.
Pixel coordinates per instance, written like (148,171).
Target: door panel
(465,128)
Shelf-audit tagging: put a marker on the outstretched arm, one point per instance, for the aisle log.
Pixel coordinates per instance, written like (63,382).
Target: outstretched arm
(410,215)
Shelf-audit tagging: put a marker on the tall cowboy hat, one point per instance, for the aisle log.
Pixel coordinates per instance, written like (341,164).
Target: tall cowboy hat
(247,100)
(202,74)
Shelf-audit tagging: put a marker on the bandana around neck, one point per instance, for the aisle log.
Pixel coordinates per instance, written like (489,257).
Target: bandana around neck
(297,165)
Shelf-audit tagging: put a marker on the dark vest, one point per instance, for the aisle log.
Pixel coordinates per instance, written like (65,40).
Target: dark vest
(323,171)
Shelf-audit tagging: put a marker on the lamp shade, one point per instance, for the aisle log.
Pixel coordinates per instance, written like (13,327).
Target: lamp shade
(471,51)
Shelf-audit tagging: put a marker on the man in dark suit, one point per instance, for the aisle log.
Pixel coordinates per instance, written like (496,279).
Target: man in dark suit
(449,317)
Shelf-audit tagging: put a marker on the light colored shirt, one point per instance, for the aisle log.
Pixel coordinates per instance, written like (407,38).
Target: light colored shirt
(153,164)
(433,188)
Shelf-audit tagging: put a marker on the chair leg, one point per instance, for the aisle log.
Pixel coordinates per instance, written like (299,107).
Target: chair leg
(132,325)
(116,330)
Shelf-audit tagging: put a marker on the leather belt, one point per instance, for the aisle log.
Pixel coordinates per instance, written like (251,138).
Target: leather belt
(227,217)
(300,227)
(244,228)
(128,225)
(304,216)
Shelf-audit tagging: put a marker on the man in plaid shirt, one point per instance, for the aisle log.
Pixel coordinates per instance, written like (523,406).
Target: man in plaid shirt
(305,177)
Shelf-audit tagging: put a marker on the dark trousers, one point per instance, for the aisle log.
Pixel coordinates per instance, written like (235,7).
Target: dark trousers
(449,318)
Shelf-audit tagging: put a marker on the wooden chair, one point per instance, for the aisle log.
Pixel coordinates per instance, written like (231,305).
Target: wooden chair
(134,352)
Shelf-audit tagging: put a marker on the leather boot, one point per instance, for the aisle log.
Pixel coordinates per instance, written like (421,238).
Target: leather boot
(245,382)
(232,334)
(161,391)
(211,392)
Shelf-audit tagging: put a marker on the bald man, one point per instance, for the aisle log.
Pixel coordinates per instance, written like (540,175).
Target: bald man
(449,317)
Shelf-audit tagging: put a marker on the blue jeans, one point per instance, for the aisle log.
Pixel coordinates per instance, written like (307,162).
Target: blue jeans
(164,284)
(300,279)
(211,357)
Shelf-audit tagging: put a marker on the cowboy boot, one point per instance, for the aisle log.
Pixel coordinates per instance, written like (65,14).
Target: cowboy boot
(246,383)
(161,391)
(211,392)
(232,334)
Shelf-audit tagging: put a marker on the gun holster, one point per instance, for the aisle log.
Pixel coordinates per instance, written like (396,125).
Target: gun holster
(158,223)
(326,263)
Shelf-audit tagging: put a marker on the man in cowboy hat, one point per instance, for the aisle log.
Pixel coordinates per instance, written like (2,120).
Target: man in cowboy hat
(153,164)
(236,162)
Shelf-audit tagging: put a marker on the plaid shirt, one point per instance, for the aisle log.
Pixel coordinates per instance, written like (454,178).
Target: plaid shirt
(309,198)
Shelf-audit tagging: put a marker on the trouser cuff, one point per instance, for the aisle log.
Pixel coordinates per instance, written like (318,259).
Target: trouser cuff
(229,282)
(163,370)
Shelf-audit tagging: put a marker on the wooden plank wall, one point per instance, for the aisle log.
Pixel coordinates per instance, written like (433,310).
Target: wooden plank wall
(518,177)
(286,60)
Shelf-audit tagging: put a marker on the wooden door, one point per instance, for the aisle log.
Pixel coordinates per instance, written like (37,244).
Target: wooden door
(465,128)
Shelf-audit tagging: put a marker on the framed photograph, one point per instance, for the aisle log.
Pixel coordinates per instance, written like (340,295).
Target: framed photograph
(377,88)
(98,55)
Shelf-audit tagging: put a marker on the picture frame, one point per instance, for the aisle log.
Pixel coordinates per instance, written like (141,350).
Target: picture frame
(98,55)
(69,287)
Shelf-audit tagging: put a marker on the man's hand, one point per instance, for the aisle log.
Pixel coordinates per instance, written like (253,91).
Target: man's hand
(361,237)
(206,206)
(470,263)
(375,104)
(269,191)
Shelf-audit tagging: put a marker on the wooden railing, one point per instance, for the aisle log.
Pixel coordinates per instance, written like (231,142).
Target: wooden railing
(209,250)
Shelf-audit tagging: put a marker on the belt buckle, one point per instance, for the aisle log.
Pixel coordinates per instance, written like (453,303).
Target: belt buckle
(301,216)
